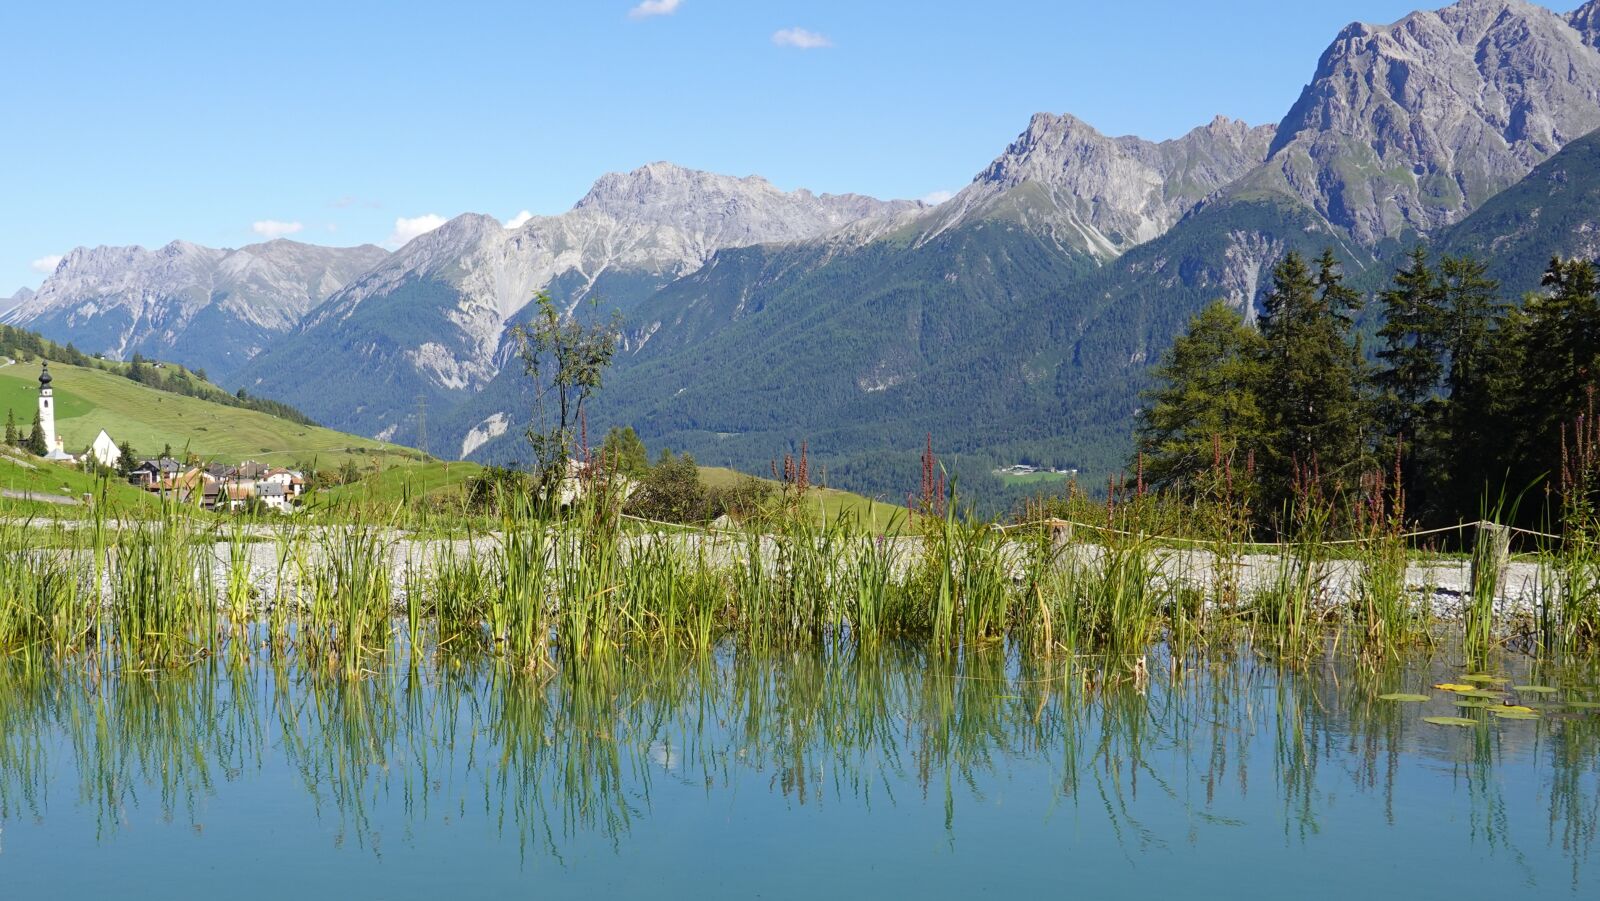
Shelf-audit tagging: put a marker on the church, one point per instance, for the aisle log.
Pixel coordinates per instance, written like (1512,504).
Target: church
(104,450)
(47,419)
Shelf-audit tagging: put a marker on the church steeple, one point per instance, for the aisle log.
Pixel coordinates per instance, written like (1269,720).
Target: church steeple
(47,415)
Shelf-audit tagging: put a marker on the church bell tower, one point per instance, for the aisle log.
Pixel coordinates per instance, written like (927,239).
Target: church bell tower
(47,411)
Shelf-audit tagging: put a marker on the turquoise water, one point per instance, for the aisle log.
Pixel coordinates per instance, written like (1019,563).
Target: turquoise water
(824,773)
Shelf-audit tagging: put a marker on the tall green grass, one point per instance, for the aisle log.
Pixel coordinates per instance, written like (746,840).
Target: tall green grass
(546,589)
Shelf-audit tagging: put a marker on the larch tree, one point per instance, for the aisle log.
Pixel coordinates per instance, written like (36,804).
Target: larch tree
(1207,396)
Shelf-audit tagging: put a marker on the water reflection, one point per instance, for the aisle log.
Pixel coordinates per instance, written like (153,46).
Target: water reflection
(1205,745)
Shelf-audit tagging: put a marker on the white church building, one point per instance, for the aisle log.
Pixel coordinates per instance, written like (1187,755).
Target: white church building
(47,419)
(104,450)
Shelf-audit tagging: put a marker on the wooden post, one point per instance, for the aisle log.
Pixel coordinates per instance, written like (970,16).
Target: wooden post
(1060,532)
(1491,549)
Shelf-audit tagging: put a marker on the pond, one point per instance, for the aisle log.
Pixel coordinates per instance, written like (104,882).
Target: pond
(831,771)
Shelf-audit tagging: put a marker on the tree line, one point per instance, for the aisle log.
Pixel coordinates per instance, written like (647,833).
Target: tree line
(1464,404)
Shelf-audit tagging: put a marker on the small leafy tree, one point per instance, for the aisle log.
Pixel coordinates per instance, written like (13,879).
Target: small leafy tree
(672,492)
(349,473)
(565,359)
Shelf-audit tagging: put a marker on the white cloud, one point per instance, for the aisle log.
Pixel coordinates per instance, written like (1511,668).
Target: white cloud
(46,264)
(800,38)
(654,8)
(934,198)
(519,220)
(406,229)
(272,228)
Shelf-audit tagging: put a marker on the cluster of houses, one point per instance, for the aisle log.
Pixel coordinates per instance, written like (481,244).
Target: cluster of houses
(219,487)
(215,487)
(1023,469)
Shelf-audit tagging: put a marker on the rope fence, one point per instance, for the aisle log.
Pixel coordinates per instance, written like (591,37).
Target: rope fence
(1057,523)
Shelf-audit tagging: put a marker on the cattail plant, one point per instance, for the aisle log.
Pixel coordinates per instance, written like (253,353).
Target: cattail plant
(1382,611)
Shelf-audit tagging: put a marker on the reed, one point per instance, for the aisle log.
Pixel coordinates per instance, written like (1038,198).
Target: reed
(549,590)
(1286,610)
(351,598)
(162,610)
(1383,612)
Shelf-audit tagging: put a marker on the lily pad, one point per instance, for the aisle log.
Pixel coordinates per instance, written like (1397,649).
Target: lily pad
(1474,704)
(1483,679)
(1449,721)
(1507,713)
(1584,705)
(1402,696)
(1482,693)
(1536,689)
(1453,686)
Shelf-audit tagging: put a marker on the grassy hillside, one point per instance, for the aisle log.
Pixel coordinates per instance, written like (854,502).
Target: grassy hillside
(831,502)
(403,489)
(395,485)
(88,400)
(20,477)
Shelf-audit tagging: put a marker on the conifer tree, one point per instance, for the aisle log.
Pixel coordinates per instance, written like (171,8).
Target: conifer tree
(1462,457)
(1411,357)
(1317,416)
(1556,359)
(11,428)
(1208,384)
(36,443)
(623,449)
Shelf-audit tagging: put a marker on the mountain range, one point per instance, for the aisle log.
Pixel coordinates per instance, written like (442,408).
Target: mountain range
(1015,321)
(207,308)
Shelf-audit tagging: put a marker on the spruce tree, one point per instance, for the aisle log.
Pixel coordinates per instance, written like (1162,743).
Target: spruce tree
(1557,360)
(1464,450)
(36,444)
(11,428)
(1317,416)
(1411,357)
(1207,393)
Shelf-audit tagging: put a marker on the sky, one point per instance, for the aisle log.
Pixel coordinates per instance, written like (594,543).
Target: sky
(347,123)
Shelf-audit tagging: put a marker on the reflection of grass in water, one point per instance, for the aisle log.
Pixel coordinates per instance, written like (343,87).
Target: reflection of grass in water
(578,751)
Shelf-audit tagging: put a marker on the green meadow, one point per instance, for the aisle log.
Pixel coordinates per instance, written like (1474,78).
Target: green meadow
(88,400)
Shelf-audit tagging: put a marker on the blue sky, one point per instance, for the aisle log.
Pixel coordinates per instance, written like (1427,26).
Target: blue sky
(346,123)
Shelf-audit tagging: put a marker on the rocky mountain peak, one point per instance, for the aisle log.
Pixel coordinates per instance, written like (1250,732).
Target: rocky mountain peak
(1103,194)
(7,304)
(1409,126)
(1586,21)
(731,211)
(121,300)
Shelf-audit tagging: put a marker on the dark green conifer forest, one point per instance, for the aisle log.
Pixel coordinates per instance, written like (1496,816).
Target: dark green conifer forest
(1470,403)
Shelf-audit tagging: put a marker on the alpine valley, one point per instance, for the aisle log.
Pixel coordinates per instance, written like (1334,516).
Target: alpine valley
(1015,322)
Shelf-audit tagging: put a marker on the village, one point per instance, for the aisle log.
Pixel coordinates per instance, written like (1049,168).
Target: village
(212,486)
